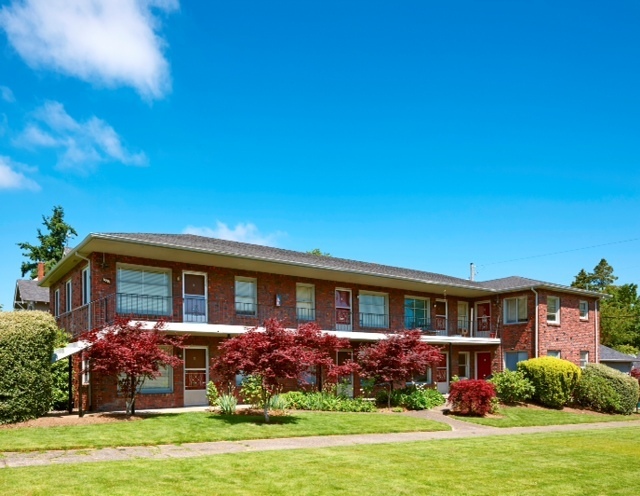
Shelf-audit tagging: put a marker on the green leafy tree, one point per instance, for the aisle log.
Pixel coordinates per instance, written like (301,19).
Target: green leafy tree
(619,312)
(319,253)
(51,244)
(627,349)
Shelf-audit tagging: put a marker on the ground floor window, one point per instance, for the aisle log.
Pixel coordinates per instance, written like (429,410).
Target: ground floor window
(553,353)
(161,384)
(584,358)
(511,359)
(463,364)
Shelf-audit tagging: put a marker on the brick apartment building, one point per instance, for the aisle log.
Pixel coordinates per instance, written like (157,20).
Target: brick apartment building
(212,289)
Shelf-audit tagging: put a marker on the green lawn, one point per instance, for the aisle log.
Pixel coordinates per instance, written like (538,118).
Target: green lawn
(201,427)
(519,416)
(601,462)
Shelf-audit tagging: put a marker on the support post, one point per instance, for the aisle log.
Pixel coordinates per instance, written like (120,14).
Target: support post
(70,386)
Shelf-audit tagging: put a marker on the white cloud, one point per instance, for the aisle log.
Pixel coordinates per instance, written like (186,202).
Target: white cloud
(81,145)
(247,233)
(108,42)
(12,178)
(6,94)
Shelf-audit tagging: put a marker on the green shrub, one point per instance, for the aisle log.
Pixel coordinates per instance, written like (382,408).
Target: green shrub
(512,386)
(325,401)
(212,393)
(416,397)
(26,345)
(277,402)
(227,404)
(553,379)
(604,389)
(251,391)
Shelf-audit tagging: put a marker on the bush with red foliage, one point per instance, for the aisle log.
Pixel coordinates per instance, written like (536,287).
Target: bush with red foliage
(471,397)
(635,373)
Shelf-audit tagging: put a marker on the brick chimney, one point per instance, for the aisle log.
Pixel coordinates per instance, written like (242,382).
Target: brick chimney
(40,271)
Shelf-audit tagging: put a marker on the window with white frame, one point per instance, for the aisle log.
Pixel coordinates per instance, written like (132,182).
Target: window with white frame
(373,309)
(86,286)
(463,364)
(143,290)
(515,310)
(584,310)
(56,302)
(511,359)
(86,371)
(305,302)
(416,313)
(246,296)
(164,382)
(553,309)
(584,358)
(68,294)
(554,353)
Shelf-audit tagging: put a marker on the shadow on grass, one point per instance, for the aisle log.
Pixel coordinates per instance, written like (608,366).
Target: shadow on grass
(254,419)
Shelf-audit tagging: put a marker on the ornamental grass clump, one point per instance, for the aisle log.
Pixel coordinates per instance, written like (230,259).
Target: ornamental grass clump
(472,397)
(607,390)
(554,380)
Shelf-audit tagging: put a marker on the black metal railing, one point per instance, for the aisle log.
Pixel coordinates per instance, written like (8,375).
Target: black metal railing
(197,309)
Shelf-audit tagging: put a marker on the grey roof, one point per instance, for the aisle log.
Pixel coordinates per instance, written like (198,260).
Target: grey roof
(30,291)
(511,282)
(610,355)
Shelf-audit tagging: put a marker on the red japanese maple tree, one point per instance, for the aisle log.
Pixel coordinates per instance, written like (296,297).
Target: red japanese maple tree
(276,353)
(131,354)
(399,357)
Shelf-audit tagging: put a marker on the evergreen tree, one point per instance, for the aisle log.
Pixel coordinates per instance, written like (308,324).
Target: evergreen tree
(51,244)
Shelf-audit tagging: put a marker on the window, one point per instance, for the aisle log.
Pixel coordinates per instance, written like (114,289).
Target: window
(584,358)
(553,353)
(584,310)
(463,364)
(86,371)
(515,310)
(416,313)
(86,286)
(373,309)
(511,359)
(56,303)
(143,291)
(164,382)
(67,296)
(309,377)
(305,302)
(246,303)
(553,309)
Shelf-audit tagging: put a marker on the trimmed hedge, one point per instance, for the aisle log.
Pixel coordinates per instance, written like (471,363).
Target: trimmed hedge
(26,345)
(604,389)
(472,397)
(554,379)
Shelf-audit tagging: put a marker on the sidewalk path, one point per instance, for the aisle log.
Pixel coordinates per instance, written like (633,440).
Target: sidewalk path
(460,430)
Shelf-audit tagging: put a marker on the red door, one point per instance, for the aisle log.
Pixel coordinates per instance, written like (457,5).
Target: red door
(483,366)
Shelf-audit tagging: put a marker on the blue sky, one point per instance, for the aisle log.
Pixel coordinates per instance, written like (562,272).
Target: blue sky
(416,133)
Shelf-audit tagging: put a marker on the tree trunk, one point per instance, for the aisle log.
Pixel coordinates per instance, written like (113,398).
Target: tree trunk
(389,395)
(265,404)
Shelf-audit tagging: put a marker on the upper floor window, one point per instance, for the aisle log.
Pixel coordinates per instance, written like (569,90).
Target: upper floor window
(553,309)
(305,302)
(56,303)
(416,313)
(144,290)
(68,294)
(373,309)
(246,296)
(584,310)
(515,310)
(86,286)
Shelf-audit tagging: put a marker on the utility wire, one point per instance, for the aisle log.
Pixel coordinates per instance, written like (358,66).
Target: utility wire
(560,252)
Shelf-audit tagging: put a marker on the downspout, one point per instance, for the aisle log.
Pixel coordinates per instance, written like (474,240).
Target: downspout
(89,328)
(597,329)
(536,337)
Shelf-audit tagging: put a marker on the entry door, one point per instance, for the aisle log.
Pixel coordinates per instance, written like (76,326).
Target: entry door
(343,310)
(483,319)
(483,364)
(442,373)
(194,292)
(345,382)
(463,318)
(196,376)
(441,317)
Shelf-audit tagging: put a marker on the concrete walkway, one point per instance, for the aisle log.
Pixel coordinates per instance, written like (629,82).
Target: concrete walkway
(459,430)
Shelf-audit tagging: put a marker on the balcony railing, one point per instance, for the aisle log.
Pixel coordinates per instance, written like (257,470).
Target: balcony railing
(197,309)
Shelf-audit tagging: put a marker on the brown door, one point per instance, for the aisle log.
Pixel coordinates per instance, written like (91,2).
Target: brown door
(195,376)
(483,364)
